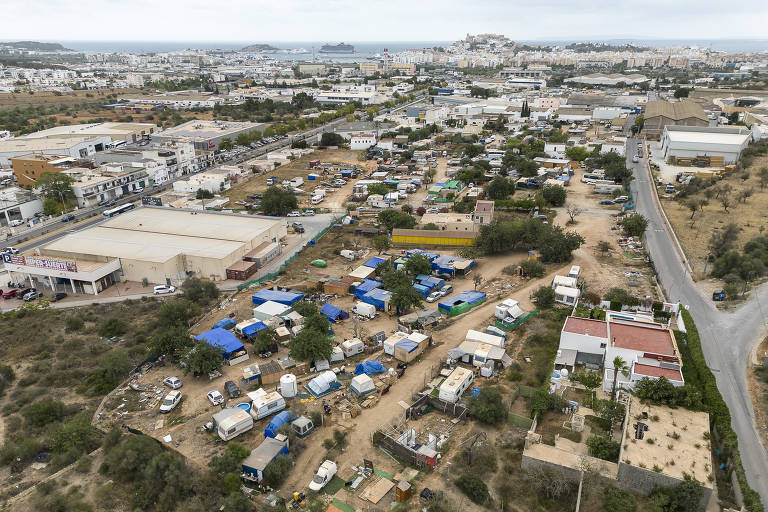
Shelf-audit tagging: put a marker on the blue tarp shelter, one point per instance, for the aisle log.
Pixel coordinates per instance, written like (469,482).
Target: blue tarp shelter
(429,255)
(422,277)
(374,262)
(435,282)
(407,345)
(423,290)
(287,298)
(253,329)
(225,323)
(223,340)
(278,421)
(369,368)
(333,313)
(377,297)
(461,303)
(366,286)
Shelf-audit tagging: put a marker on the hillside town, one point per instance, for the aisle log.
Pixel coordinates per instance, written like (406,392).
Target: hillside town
(490,275)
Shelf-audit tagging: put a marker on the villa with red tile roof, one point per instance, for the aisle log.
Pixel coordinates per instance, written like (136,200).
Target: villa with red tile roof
(647,348)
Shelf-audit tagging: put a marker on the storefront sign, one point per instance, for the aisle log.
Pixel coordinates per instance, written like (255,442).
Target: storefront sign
(152,201)
(41,262)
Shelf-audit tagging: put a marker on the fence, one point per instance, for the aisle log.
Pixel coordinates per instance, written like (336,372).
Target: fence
(517,323)
(520,421)
(453,410)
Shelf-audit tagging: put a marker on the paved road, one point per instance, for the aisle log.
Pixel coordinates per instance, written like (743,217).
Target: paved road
(727,337)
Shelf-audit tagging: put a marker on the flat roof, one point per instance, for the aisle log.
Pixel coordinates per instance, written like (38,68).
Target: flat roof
(708,137)
(43,144)
(658,371)
(207,129)
(643,338)
(93,129)
(586,326)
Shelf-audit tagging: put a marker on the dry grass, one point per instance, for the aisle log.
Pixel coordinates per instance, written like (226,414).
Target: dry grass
(750,216)
(10,101)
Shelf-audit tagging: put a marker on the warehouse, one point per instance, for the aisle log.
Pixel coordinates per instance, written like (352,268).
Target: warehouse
(659,114)
(430,238)
(116,131)
(207,135)
(158,245)
(694,141)
(75,147)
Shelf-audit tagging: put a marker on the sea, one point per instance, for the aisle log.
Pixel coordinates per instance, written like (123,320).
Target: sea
(370,49)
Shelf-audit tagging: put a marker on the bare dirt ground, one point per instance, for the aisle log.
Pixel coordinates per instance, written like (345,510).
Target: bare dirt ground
(749,216)
(758,388)
(9,101)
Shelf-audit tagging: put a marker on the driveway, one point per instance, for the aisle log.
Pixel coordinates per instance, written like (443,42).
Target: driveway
(727,337)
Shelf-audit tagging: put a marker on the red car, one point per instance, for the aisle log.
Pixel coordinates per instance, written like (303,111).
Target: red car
(10,294)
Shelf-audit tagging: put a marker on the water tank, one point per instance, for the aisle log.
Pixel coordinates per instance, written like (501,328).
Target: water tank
(288,385)
(564,373)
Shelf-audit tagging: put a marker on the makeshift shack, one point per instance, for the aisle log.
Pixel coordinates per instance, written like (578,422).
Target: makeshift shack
(278,421)
(223,340)
(369,368)
(269,309)
(333,314)
(287,298)
(323,384)
(225,323)
(378,298)
(253,466)
(461,303)
(366,286)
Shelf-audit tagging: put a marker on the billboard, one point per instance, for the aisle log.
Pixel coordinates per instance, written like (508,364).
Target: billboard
(41,262)
(151,201)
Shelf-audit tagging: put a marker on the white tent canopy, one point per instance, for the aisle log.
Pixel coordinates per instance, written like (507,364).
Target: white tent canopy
(322,382)
(362,384)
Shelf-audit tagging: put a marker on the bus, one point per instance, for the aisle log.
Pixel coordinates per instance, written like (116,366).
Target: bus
(118,210)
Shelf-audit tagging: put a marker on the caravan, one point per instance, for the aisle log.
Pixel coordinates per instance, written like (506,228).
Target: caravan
(233,423)
(352,347)
(455,385)
(264,404)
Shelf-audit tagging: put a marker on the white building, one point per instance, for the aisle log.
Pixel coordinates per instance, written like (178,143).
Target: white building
(693,141)
(109,182)
(362,141)
(555,149)
(211,181)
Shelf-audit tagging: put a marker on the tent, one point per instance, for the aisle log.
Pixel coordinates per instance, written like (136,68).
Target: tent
(323,384)
(333,313)
(433,282)
(224,323)
(362,384)
(287,298)
(251,330)
(223,340)
(366,286)
(369,367)
(378,297)
(423,290)
(374,262)
(278,421)
(270,309)
(461,303)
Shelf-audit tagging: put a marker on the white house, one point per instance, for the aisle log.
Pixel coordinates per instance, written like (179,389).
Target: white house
(613,147)
(362,141)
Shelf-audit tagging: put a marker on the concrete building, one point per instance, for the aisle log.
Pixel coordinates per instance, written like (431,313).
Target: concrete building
(74,146)
(211,181)
(362,141)
(178,157)
(160,245)
(107,183)
(205,134)
(128,132)
(659,114)
(17,204)
(28,168)
(313,69)
(483,213)
(693,141)
(608,79)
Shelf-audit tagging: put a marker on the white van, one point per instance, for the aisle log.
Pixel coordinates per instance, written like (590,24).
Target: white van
(234,425)
(317,199)
(264,404)
(364,309)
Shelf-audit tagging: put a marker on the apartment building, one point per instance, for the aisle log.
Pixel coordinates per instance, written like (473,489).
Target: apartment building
(107,183)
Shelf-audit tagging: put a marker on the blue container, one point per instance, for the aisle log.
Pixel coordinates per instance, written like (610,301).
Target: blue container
(244,406)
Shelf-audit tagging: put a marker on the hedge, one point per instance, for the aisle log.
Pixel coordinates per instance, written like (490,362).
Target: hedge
(523,204)
(698,373)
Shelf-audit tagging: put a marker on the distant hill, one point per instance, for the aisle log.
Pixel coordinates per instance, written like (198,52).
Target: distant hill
(36,46)
(259,48)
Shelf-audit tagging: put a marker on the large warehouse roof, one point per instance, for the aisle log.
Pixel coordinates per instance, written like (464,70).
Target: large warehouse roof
(159,234)
(704,135)
(677,111)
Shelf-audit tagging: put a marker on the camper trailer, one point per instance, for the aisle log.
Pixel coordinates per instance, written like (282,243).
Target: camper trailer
(365,310)
(234,424)
(455,385)
(352,347)
(246,323)
(264,404)
(303,426)
(482,337)
(509,308)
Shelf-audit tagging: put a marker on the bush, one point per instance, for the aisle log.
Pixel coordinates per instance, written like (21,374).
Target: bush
(74,323)
(277,470)
(603,448)
(532,268)
(554,194)
(616,499)
(43,412)
(544,296)
(112,327)
(487,406)
(634,225)
(473,487)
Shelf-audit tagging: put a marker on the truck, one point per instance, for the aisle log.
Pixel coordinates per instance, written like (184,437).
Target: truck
(272,180)
(324,475)
(364,309)
(233,424)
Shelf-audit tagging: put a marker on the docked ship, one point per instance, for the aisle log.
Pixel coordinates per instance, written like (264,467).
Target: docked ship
(339,48)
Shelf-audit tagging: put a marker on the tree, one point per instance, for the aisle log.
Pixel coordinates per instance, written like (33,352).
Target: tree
(331,139)
(634,225)
(763,175)
(619,365)
(418,264)
(278,201)
(266,341)
(242,139)
(590,380)
(725,202)
(225,144)
(473,487)
(276,471)
(500,188)
(203,193)
(203,359)
(603,448)
(532,268)
(544,296)
(682,92)
(378,189)
(312,343)
(554,194)
(577,153)
(171,341)
(405,297)
(43,412)
(381,243)
(56,186)
(394,219)
(637,126)
(112,327)
(609,410)
(473,150)
(299,144)
(573,211)
(177,313)
(723,240)
(488,406)
(52,207)
(199,292)
(616,499)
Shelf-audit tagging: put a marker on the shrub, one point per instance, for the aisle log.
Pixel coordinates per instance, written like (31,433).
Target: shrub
(603,448)
(277,470)
(473,487)
(544,296)
(112,327)
(487,406)
(74,323)
(532,268)
(43,412)
(616,499)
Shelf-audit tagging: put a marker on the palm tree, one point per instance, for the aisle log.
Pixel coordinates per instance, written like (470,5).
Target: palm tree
(619,365)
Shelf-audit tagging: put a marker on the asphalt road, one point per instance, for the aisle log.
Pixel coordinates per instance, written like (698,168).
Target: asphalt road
(727,338)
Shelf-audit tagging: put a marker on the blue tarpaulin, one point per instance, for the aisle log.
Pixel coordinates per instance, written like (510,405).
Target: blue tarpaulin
(369,367)
(333,313)
(225,323)
(366,286)
(429,255)
(374,262)
(377,297)
(223,340)
(278,421)
(475,391)
(422,277)
(287,298)
(433,282)
(251,330)
(423,290)
(471,298)
(407,345)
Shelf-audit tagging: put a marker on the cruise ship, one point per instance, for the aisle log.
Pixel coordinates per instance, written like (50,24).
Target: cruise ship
(339,48)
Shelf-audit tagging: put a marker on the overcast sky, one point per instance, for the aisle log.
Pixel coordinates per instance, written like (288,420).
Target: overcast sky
(375,20)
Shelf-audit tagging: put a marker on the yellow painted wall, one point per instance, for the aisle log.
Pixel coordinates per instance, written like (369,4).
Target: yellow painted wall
(426,240)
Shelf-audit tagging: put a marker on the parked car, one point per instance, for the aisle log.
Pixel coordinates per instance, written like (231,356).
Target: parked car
(231,388)
(309,213)
(172,382)
(635,159)
(669,188)
(68,217)
(163,289)
(215,397)
(9,250)
(31,295)
(433,210)
(16,222)
(607,201)
(718,295)
(444,275)
(294,213)
(446,290)
(621,199)
(170,401)
(56,297)
(434,296)
(325,474)
(9,294)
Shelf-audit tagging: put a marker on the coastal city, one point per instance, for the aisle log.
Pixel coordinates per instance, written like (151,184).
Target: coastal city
(492,273)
